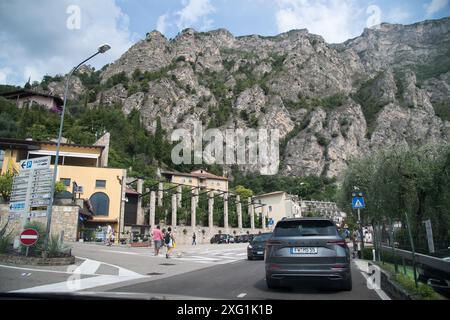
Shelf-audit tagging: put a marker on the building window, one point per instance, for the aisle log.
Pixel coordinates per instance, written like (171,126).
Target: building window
(190,180)
(100,183)
(65,181)
(100,204)
(270,208)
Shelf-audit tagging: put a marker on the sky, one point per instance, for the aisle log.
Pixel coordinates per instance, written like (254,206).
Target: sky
(51,36)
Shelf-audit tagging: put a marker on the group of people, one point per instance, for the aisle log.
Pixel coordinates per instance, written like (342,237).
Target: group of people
(163,238)
(160,238)
(166,238)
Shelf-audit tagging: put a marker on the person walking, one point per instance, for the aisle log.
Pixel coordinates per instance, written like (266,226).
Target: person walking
(169,240)
(194,237)
(157,236)
(108,234)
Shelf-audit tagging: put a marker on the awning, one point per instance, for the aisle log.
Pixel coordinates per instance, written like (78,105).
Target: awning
(66,154)
(103,220)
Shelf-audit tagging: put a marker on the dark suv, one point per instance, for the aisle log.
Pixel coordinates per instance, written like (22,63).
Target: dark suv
(307,249)
(256,247)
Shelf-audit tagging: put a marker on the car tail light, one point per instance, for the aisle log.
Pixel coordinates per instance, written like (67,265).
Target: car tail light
(272,243)
(340,243)
(338,267)
(274,267)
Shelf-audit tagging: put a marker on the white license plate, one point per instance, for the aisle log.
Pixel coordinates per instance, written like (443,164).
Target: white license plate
(304,250)
(260,252)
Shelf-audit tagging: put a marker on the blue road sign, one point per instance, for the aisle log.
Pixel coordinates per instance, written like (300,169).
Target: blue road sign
(358,203)
(271,221)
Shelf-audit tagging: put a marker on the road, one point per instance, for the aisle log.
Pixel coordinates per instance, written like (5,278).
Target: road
(206,271)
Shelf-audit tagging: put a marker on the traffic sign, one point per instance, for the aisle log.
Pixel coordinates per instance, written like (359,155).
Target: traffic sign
(358,203)
(271,222)
(36,163)
(29,237)
(17,206)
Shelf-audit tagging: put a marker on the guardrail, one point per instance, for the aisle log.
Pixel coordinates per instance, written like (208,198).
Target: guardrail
(433,262)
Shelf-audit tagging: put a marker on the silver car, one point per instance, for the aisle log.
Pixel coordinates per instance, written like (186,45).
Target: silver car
(307,249)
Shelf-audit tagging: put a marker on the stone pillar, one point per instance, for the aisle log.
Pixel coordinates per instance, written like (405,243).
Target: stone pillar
(152,208)
(210,209)
(263,216)
(140,210)
(179,196)
(250,213)
(194,201)
(225,211)
(239,211)
(174,210)
(160,194)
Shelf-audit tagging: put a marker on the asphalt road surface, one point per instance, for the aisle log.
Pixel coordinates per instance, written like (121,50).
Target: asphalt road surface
(244,280)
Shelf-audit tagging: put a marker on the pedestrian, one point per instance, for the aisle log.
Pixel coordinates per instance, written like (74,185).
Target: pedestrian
(157,238)
(194,236)
(108,234)
(169,240)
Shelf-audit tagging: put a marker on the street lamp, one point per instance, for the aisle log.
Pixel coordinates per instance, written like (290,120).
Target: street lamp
(102,49)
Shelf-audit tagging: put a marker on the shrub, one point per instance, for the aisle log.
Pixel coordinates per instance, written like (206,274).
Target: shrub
(56,248)
(321,140)
(5,239)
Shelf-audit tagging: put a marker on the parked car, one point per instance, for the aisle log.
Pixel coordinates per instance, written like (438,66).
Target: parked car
(307,249)
(256,247)
(215,238)
(222,238)
(438,280)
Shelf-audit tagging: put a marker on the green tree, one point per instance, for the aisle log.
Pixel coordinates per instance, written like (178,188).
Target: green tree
(6,182)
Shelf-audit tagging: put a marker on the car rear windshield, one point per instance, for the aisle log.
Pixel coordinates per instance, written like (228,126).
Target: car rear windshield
(262,237)
(305,228)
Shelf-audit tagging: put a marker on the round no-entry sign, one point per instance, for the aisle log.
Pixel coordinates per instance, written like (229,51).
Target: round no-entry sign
(29,237)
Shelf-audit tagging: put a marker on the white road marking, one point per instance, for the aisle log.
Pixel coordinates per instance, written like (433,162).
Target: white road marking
(363,271)
(77,284)
(241,295)
(88,267)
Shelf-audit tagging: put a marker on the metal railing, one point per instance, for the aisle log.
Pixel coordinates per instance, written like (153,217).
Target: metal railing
(430,261)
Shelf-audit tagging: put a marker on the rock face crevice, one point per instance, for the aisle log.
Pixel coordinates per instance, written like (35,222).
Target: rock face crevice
(389,87)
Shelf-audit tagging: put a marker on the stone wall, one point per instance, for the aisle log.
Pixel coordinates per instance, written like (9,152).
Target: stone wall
(182,237)
(64,218)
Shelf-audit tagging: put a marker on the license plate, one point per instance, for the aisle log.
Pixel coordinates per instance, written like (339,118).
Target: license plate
(304,250)
(260,252)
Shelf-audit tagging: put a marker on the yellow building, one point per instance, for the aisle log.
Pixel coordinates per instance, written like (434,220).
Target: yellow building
(83,169)
(198,178)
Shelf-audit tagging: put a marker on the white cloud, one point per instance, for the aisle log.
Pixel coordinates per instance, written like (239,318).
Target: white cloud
(335,20)
(4,75)
(161,23)
(398,15)
(435,6)
(195,13)
(37,41)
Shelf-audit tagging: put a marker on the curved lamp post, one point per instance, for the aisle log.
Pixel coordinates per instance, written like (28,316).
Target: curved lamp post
(101,49)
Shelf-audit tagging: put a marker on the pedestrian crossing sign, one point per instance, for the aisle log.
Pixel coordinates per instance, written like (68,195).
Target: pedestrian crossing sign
(358,203)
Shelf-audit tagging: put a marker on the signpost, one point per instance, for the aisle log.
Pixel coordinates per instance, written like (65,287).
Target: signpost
(31,189)
(429,231)
(358,203)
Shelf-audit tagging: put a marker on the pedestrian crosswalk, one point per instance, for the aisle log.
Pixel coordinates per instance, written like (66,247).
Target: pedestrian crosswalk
(212,256)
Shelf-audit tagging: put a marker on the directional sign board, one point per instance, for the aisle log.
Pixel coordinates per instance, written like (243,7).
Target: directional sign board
(37,163)
(358,203)
(29,237)
(31,188)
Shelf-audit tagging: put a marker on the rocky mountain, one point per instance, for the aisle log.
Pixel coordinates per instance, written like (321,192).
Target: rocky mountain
(389,87)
